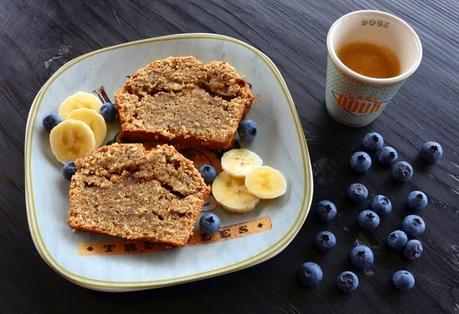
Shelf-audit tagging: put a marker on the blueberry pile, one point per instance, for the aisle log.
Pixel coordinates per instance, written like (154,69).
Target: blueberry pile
(405,240)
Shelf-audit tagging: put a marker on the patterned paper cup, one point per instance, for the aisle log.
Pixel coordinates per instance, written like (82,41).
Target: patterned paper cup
(357,100)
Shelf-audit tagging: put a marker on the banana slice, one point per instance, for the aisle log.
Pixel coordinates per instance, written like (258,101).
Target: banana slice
(232,194)
(71,139)
(79,100)
(94,120)
(238,162)
(265,182)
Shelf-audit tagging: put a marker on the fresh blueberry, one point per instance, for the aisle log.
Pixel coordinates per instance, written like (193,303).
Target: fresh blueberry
(417,200)
(362,256)
(68,170)
(368,220)
(387,156)
(112,141)
(247,130)
(381,205)
(403,280)
(324,241)
(373,141)
(108,111)
(413,249)
(347,281)
(431,151)
(413,225)
(309,274)
(50,121)
(208,173)
(357,192)
(209,223)
(397,239)
(402,171)
(326,210)
(360,162)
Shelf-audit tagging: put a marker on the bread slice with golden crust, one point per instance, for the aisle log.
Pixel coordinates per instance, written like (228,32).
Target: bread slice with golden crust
(136,193)
(181,101)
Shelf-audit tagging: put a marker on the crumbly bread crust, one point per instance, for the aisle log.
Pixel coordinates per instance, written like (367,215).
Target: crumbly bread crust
(181,101)
(129,191)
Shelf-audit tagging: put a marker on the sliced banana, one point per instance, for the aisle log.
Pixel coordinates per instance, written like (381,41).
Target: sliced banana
(71,139)
(232,194)
(265,182)
(79,100)
(94,120)
(238,162)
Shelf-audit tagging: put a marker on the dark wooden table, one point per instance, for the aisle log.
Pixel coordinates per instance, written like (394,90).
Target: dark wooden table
(37,37)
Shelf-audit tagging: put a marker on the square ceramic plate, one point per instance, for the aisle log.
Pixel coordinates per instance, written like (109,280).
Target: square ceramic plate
(280,142)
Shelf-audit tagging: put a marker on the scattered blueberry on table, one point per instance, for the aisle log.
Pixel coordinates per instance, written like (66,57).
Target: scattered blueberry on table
(326,211)
(347,281)
(402,171)
(381,205)
(360,162)
(362,256)
(413,225)
(368,220)
(357,192)
(247,130)
(413,249)
(387,156)
(209,223)
(208,173)
(108,111)
(68,170)
(373,141)
(431,151)
(417,200)
(324,241)
(50,121)
(403,280)
(309,274)
(397,239)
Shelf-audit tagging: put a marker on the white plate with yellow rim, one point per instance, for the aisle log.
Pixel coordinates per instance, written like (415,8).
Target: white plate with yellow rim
(280,142)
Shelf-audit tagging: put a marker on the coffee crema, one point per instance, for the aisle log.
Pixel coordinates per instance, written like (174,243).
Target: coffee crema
(370,59)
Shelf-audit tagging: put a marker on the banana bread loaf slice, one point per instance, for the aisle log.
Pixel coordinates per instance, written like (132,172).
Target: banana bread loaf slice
(136,193)
(180,100)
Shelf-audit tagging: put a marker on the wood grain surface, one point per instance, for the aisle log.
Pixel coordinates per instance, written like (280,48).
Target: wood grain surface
(37,37)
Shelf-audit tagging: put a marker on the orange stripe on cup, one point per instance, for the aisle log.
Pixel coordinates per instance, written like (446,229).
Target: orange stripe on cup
(349,104)
(367,107)
(376,107)
(354,107)
(362,107)
(342,101)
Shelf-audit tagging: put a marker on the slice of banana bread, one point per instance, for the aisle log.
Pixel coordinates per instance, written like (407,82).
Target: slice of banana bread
(135,193)
(180,100)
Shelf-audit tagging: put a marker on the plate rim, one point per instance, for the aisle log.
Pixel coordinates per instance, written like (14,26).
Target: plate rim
(119,286)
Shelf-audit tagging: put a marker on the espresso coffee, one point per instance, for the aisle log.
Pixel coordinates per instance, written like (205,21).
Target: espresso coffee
(370,59)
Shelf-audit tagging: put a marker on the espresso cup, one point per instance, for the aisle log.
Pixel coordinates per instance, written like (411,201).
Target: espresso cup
(354,99)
